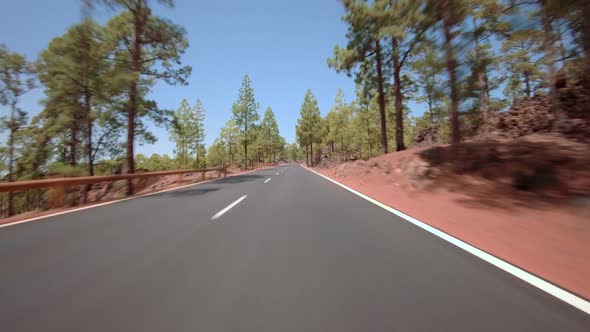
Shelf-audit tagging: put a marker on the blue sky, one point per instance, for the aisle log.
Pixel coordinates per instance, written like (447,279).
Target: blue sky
(281,44)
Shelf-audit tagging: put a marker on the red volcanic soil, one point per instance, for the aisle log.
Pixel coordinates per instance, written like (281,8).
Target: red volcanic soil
(548,239)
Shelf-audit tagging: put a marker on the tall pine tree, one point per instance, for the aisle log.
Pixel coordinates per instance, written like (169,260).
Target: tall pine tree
(245,115)
(309,125)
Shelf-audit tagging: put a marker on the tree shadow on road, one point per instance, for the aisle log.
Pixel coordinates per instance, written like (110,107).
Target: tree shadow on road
(240,179)
(207,188)
(189,192)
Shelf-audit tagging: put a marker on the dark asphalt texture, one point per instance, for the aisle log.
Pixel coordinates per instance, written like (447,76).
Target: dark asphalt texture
(298,254)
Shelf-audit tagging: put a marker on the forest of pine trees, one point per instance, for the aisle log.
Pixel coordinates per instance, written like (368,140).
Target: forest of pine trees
(96,80)
(458,59)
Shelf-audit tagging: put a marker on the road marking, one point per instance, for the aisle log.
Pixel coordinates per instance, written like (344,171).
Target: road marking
(277,173)
(546,286)
(227,208)
(118,200)
(267,180)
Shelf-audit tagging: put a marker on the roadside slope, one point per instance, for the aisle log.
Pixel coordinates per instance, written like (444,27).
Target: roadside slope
(548,240)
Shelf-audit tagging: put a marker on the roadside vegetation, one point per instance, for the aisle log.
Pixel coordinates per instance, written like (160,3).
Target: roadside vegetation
(97,79)
(464,61)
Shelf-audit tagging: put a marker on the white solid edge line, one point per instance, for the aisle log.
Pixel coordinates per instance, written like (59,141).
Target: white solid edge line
(117,201)
(265,181)
(227,208)
(559,293)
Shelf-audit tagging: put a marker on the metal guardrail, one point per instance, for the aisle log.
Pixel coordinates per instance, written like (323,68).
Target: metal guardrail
(84,180)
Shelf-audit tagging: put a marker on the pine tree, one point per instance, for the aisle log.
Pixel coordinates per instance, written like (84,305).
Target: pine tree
(293,152)
(524,74)
(338,124)
(452,14)
(197,129)
(363,55)
(485,21)
(201,157)
(229,135)
(405,24)
(428,71)
(217,154)
(149,49)
(367,119)
(180,132)
(187,131)
(16,79)
(80,80)
(270,134)
(245,115)
(309,125)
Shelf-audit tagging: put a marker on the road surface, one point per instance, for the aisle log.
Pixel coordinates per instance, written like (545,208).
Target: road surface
(295,253)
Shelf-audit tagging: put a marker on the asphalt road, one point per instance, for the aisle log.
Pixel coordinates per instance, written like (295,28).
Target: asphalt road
(297,254)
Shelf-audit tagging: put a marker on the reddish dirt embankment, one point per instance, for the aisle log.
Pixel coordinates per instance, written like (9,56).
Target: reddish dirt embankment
(534,221)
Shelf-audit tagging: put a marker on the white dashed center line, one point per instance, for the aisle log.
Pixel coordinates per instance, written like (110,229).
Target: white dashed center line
(220,213)
(267,180)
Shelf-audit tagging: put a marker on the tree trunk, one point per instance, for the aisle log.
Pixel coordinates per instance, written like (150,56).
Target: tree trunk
(397,96)
(562,50)
(586,33)
(399,106)
(527,83)
(452,70)
(342,157)
(246,141)
(369,137)
(74,143)
(246,154)
(231,157)
(429,102)
(483,103)
(11,143)
(548,44)
(131,137)
(64,153)
(88,146)
(87,109)
(133,102)
(586,38)
(274,154)
(311,152)
(486,81)
(381,97)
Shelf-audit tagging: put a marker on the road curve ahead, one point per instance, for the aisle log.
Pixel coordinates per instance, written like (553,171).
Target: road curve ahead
(293,253)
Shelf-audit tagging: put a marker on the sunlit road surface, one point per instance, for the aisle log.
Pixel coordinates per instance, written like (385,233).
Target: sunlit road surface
(293,253)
